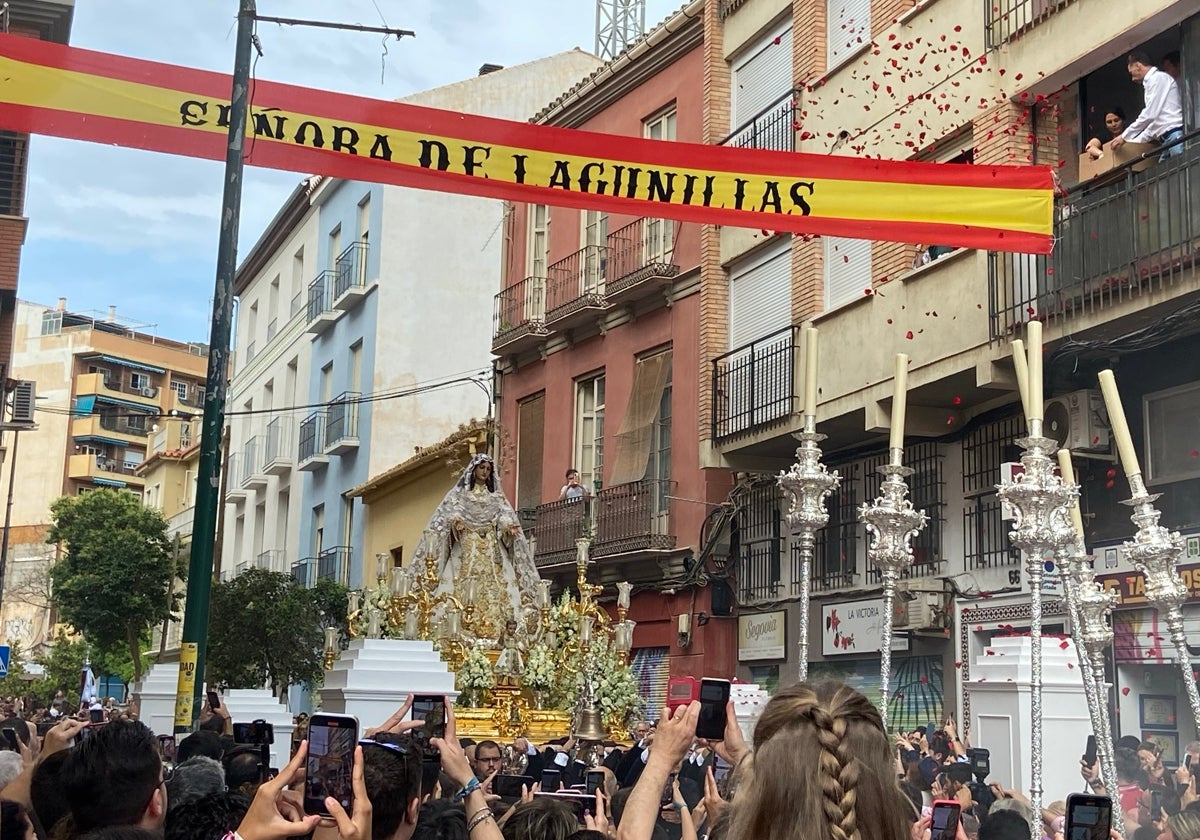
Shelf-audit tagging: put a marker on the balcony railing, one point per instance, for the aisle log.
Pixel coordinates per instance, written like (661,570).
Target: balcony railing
(755,385)
(351,269)
(312,436)
(774,127)
(341,422)
(633,517)
(559,524)
(320,294)
(576,283)
(1131,237)
(277,453)
(123,427)
(520,310)
(1006,19)
(250,464)
(639,251)
(270,560)
(334,564)
(304,571)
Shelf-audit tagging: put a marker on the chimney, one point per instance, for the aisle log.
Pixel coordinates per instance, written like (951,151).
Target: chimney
(112,313)
(484,69)
(62,304)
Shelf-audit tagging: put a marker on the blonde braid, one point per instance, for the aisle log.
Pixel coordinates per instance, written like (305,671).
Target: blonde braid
(839,772)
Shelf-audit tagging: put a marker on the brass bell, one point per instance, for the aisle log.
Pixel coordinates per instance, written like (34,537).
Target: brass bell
(590,728)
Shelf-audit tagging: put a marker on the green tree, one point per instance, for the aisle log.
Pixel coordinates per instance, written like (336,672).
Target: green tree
(264,627)
(114,579)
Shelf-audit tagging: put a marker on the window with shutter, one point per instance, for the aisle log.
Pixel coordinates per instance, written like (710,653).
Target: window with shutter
(849,27)
(531,424)
(847,270)
(759,377)
(762,73)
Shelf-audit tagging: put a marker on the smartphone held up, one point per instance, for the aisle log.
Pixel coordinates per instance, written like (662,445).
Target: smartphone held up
(330,767)
(714,697)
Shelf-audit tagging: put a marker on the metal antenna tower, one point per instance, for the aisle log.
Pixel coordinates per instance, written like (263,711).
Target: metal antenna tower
(618,24)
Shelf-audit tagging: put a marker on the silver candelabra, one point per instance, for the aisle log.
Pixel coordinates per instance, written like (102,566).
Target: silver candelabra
(891,525)
(1041,526)
(1089,607)
(807,485)
(1154,551)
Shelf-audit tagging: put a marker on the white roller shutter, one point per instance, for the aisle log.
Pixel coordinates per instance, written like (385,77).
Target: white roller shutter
(847,270)
(760,296)
(762,73)
(849,27)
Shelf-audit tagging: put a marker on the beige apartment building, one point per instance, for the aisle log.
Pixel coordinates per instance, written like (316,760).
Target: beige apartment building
(957,82)
(104,388)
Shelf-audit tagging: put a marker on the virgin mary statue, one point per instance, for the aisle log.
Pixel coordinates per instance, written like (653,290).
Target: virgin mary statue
(475,534)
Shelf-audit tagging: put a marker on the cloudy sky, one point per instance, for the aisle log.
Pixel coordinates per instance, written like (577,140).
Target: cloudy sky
(138,230)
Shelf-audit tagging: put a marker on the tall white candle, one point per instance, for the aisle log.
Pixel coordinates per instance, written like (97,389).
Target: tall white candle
(1033,411)
(1118,424)
(810,372)
(1021,367)
(624,589)
(1067,470)
(899,395)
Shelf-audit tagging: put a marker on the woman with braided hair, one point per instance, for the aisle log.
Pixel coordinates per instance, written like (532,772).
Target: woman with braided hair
(821,768)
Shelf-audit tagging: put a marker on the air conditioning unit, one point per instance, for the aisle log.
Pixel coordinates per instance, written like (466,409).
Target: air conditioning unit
(24,397)
(1078,420)
(150,392)
(920,605)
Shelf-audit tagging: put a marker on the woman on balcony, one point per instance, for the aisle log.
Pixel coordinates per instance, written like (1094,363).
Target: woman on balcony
(484,559)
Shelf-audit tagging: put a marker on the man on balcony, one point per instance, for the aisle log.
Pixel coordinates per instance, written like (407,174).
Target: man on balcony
(1161,119)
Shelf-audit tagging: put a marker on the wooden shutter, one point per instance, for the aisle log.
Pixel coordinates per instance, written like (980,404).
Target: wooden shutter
(531,425)
(761,74)
(847,270)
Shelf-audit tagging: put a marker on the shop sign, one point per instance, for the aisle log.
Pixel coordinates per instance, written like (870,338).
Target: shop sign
(855,627)
(762,636)
(1131,586)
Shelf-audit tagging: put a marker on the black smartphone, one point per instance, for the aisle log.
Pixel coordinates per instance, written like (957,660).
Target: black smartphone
(930,730)
(668,791)
(1088,817)
(331,743)
(214,700)
(430,708)
(943,825)
(46,725)
(256,732)
(594,782)
(551,779)
(981,761)
(10,739)
(166,748)
(1089,754)
(95,716)
(509,787)
(714,697)
(1155,805)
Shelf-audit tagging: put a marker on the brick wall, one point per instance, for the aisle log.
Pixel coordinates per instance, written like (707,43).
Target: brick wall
(714,287)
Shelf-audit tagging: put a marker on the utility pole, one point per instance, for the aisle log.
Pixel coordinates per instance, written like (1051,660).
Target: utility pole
(209,483)
(200,568)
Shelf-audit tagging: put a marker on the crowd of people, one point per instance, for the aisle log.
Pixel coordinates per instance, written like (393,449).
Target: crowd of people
(820,765)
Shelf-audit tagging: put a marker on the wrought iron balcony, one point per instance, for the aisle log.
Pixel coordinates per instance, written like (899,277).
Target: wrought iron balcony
(641,259)
(622,519)
(252,472)
(334,564)
(341,424)
(774,127)
(350,284)
(754,386)
(311,454)
(1134,236)
(575,287)
(1006,19)
(519,317)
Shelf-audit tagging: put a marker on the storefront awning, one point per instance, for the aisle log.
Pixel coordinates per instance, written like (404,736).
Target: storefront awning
(109,482)
(101,439)
(105,398)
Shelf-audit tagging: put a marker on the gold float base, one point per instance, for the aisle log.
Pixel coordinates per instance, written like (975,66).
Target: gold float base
(509,715)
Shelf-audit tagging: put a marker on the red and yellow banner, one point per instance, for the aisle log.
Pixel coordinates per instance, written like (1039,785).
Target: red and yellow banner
(85,95)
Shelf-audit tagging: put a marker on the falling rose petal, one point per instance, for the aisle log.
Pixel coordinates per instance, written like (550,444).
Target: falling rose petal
(868,292)
(1195,453)
(978,628)
(1125,690)
(909,335)
(957,664)
(924,679)
(950,420)
(1071,665)
(1064,644)
(1108,485)
(778,40)
(989,652)
(1110,473)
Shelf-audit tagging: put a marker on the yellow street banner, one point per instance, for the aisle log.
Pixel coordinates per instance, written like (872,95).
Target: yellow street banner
(81,94)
